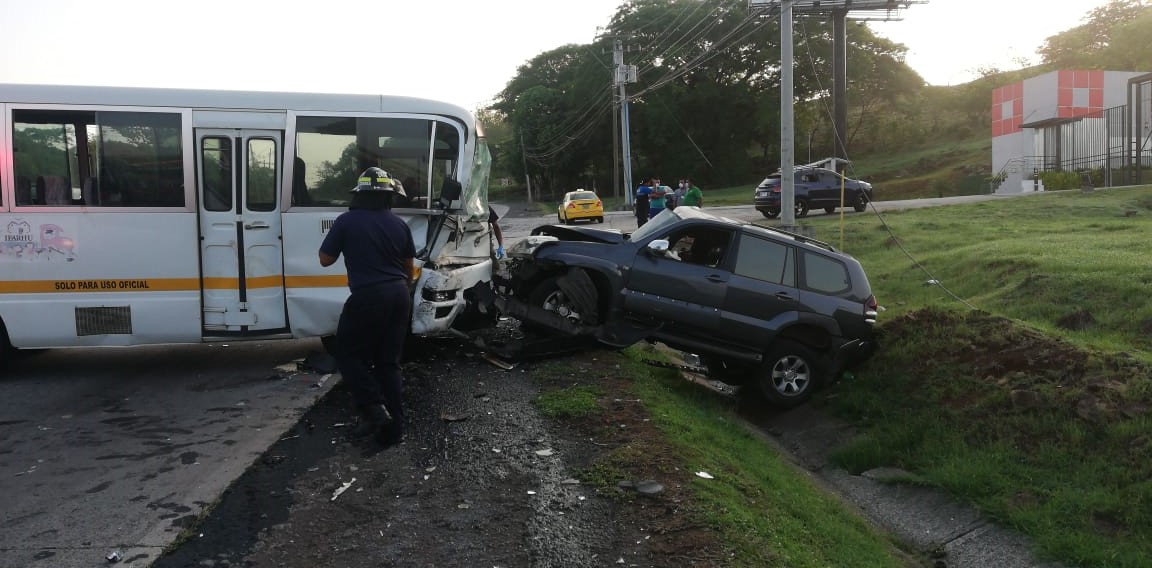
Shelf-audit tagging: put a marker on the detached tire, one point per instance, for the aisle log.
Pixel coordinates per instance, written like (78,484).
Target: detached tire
(789,374)
(801,208)
(770,214)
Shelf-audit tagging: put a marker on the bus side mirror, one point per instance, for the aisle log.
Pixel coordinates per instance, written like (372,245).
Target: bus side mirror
(450,191)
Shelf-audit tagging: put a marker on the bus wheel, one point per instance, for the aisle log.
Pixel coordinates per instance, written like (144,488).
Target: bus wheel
(7,352)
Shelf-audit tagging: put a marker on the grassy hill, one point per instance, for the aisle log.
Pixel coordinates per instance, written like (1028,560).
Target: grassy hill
(1015,363)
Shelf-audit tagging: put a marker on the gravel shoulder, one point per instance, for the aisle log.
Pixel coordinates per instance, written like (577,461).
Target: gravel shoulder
(483,480)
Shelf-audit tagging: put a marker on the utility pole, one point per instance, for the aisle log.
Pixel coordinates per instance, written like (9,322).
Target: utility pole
(622,75)
(616,187)
(527,178)
(861,10)
(787,138)
(840,85)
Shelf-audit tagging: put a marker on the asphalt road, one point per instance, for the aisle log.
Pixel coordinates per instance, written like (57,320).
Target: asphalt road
(118,449)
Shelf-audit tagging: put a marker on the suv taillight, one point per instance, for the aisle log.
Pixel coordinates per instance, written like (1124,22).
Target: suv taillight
(870,309)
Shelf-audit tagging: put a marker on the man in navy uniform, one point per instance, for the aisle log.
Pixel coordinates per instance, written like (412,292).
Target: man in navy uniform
(378,252)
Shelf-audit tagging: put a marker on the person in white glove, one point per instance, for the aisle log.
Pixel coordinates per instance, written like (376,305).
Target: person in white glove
(492,220)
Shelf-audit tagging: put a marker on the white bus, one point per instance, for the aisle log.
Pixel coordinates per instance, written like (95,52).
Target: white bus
(143,216)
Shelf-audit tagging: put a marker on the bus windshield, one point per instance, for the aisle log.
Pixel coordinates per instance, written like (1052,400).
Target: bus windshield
(332,150)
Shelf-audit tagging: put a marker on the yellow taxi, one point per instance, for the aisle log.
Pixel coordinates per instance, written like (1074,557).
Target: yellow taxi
(580,204)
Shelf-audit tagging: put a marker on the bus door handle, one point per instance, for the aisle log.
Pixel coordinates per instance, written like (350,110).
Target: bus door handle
(256,225)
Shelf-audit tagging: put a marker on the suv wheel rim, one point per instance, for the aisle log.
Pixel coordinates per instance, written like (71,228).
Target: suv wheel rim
(557,303)
(791,375)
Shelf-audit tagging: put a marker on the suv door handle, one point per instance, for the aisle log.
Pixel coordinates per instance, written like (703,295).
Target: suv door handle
(716,278)
(783,296)
(256,225)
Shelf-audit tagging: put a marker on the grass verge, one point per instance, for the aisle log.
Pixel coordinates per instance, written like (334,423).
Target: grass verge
(769,512)
(652,424)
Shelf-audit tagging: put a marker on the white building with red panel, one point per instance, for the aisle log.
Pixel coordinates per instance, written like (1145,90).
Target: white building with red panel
(1057,121)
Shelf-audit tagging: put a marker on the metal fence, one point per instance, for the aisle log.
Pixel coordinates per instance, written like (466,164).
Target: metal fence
(1113,146)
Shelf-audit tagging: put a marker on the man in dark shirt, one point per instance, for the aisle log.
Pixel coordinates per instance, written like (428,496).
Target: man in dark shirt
(643,193)
(378,254)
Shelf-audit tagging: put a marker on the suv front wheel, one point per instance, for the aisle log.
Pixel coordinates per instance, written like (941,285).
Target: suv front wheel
(550,295)
(789,374)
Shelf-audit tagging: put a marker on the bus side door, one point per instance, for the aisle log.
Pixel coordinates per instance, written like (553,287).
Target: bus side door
(241,249)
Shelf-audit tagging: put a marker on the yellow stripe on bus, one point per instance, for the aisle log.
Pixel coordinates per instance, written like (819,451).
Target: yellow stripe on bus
(316,281)
(100,285)
(232,283)
(168,284)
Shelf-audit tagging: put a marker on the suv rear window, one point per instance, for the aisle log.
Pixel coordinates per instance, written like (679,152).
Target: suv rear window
(766,260)
(585,195)
(825,275)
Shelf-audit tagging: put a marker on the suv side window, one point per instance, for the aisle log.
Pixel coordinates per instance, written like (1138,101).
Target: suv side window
(825,275)
(766,260)
(706,246)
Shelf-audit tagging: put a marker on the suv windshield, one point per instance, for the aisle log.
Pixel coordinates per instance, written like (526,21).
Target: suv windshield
(655,224)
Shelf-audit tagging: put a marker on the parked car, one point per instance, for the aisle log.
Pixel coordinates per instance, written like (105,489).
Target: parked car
(816,188)
(580,204)
(762,307)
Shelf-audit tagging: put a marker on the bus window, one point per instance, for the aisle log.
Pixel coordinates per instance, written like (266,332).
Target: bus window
(261,175)
(103,158)
(333,150)
(216,160)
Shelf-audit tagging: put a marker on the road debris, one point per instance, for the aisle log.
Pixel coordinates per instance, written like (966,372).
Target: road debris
(544,453)
(344,487)
(322,380)
(113,557)
(647,487)
(704,475)
(498,362)
(448,417)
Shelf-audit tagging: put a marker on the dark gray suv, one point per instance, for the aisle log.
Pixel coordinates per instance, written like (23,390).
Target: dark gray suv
(815,188)
(760,306)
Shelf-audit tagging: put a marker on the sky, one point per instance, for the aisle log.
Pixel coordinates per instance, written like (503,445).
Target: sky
(459,51)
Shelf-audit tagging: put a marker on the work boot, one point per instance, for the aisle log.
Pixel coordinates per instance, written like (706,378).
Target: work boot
(372,418)
(390,435)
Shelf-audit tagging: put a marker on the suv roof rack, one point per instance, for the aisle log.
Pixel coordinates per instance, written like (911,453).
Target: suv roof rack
(800,238)
(826,163)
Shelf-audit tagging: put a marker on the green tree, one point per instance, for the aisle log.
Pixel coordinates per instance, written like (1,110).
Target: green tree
(707,101)
(1089,45)
(1128,47)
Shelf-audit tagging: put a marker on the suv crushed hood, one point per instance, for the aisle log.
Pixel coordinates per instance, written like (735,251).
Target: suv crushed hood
(586,234)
